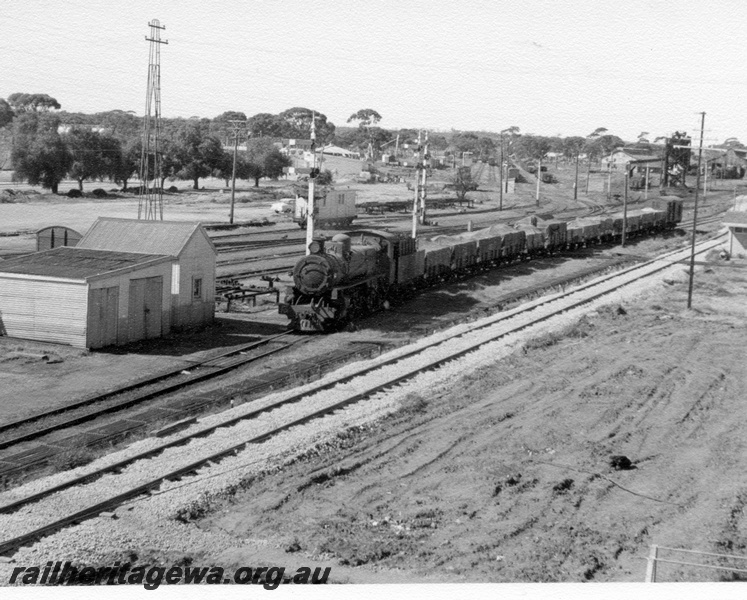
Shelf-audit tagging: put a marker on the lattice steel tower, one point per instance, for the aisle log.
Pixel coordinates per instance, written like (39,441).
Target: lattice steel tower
(151,198)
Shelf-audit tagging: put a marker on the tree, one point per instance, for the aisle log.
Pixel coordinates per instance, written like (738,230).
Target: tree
(465,142)
(112,156)
(643,137)
(572,146)
(198,154)
(598,145)
(170,161)
(86,149)
(509,137)
(39,154)
(325,177)
(32,102)
(225,170)
(129,161)
(533,146)
(264,160)
(296,123)
(365,117)
(486,147)
(222,127)
(123,125)
(274,164)
(265,125)
(6,113)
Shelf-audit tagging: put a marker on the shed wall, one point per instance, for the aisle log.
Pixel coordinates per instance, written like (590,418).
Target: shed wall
(50,311)
(196,261)
(738,241)
(123,282)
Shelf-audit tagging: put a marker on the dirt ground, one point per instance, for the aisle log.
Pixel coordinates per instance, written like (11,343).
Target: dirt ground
(510,475)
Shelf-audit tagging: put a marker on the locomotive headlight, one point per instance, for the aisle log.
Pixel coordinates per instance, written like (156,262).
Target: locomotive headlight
(315,247)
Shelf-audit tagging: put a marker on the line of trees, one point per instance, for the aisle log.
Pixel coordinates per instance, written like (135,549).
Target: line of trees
(49,145)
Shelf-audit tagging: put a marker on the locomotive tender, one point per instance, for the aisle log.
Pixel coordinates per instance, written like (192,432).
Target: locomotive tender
(357,273)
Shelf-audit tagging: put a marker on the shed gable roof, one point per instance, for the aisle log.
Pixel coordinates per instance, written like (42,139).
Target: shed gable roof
(69,262)
(138,235)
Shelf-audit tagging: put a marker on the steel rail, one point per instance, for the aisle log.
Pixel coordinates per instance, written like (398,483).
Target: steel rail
(127,388)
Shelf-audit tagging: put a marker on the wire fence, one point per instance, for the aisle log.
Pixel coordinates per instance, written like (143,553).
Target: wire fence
(654,559)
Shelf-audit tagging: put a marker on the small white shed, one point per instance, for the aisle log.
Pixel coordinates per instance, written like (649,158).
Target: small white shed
(85,298)
(194,255)
(736,221)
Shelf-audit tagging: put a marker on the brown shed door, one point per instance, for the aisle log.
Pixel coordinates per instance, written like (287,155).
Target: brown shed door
(145,308)
(103,315)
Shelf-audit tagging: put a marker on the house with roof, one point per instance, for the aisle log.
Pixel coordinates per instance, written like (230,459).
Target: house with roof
(637,159)
(86,298)
(736,221)
(193,255)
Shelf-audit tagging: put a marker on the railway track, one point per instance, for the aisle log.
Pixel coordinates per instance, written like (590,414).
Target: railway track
(38,456)
(54,510)
(595,209)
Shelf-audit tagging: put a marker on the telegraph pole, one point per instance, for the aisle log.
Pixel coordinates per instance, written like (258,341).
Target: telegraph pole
(416,197)
(625,206)
(695,215)
(575,185)
(312,182)
(539,177)
(236,129)
(150,205)
(500,177)
(424,176)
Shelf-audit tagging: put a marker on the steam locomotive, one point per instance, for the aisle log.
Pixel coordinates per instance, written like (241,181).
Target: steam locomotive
(357,273)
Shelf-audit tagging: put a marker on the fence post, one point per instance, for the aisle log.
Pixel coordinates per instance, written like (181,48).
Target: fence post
(651,567)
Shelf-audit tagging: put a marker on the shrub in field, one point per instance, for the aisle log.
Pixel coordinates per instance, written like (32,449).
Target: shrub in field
(74,193)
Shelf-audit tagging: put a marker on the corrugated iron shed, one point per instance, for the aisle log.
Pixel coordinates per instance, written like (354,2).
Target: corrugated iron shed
(68,262)
(129,235)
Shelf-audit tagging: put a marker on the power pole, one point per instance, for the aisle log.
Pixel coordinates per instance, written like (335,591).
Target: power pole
(625,207)
(575,185)
(425,160)
(312,182)
(416,197)
(236,124)
(539,177)
(150,205)
(500,177)
(695,215)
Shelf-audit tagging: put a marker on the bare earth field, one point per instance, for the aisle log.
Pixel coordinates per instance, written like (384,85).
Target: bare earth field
(506,476)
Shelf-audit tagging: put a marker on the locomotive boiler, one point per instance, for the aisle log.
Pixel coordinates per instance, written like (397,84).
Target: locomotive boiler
(336,281)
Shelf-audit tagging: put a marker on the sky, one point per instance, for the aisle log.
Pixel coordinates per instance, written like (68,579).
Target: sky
(548,67)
